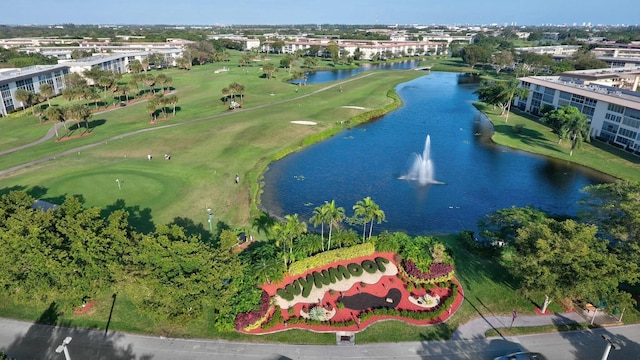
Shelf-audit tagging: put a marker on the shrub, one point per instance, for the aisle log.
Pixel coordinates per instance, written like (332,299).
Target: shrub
(328,257)
(438,272)
(244,320)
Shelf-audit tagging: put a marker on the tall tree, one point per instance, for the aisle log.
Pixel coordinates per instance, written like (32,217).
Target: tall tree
(46,90)
(368,212)
(615,209)
(335,216)
(55,115)
(565,259)
(268,69)
(474,54)
(568,122)
(24,97)
(320,217)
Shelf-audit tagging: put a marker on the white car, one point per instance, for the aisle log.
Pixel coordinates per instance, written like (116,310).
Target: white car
(522,356)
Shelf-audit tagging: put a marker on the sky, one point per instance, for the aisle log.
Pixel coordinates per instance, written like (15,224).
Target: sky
(279,12)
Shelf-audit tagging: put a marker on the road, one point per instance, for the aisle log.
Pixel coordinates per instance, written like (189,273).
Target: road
(23,341)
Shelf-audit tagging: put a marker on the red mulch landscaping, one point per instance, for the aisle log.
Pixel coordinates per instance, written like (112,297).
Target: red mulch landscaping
(345,315)
(81,310)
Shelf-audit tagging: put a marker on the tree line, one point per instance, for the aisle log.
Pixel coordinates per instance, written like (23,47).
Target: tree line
(592,258)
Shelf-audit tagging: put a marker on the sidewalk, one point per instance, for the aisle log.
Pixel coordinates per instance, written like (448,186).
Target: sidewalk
(475,329)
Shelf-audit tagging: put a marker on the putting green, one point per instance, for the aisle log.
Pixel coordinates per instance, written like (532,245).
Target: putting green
(146,189)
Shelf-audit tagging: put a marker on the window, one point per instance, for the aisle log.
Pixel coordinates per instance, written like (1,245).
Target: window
(630,122)
(588,110)
(6,97)
(615,108)
(565,95)
(590,102)
(616,118)
(578,99)
(628,133)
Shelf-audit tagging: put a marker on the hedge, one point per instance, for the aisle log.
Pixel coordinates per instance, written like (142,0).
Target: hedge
(328,257)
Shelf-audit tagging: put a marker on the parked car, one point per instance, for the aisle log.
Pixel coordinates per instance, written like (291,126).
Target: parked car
(523,355)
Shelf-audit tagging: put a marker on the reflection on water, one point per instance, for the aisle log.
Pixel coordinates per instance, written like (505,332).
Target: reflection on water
(319,77)
(479,177)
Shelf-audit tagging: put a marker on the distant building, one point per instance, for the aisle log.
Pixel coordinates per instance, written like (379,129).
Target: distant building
(29,78)
(614,113)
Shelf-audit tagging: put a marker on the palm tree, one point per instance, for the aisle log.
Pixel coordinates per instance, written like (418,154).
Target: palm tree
(280,232)
(225,94)
(92,95)
(578,127)
(368,211)
(335,215)
(173,100)
(151,109)
(105,82)
(135,66)
(514,90)
(295,229)
(240,90)
(378,216)
(320,218)
(161,80)
(150,81)
(54,114)
(46,90)
(167,83)
(23,96)
(145,64)
(268,69)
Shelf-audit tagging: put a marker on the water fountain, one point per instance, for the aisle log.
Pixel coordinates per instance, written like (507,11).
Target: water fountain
(422,166)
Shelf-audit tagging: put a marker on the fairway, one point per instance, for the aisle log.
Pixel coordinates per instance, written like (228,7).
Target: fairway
(208,145)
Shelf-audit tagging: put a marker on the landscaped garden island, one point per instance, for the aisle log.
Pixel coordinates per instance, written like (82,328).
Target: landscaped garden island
(349,295)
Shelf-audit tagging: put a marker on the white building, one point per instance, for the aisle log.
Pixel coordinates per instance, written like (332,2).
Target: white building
(29,79)
(367,48)
(614,113)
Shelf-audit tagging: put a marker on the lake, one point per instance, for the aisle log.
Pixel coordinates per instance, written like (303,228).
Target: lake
(475,176)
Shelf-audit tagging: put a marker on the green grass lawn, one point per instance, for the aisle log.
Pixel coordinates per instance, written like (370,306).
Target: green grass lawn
(207,150)
(523,131)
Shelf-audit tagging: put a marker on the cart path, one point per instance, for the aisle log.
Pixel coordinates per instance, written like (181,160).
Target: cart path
(51,133)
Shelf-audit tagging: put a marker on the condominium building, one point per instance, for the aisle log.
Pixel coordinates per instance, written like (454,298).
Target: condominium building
(29,78)
(614,113)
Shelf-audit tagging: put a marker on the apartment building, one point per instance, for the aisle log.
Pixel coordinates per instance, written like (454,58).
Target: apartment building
(29,78)
(614,112)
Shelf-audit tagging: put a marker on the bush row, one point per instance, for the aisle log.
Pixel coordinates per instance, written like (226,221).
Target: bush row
(255,318)
(438,272)
(328,257)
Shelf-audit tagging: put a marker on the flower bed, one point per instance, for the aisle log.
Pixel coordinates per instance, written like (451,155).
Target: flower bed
(351,304)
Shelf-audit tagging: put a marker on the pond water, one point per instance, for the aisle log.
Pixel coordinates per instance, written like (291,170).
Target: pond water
(471,175)
(319,77)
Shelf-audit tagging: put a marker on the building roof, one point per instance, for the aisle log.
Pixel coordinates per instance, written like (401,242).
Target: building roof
(28,72)
(598,74)
(613,95)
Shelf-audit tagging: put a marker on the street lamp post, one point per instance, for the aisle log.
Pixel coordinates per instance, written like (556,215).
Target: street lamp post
(610,345)
(63,348)
(210,220)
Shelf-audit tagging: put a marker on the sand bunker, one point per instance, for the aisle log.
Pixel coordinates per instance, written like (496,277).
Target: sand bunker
(303,122)
(353,107)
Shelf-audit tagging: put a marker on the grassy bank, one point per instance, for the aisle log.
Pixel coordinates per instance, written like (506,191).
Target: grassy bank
(524,132)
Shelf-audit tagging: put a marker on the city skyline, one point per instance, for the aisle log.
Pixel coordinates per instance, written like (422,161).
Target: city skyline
(280,12)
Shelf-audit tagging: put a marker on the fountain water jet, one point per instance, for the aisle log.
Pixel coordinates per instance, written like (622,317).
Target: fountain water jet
(422,166)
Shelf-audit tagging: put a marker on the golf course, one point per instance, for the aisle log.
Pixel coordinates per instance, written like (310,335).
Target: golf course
(207,142)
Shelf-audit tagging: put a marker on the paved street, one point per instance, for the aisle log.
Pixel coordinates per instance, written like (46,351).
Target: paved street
(30,341)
